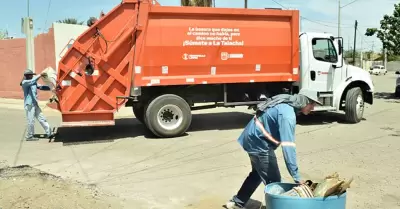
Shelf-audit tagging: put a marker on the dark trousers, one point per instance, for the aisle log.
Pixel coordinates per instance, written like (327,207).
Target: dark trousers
(264,168)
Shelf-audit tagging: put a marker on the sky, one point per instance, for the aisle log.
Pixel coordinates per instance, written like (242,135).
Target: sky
(317,15)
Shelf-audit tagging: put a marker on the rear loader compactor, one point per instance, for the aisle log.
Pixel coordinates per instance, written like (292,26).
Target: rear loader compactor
(161,61)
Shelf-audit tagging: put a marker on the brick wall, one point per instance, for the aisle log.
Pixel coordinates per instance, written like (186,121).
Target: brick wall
(13,63)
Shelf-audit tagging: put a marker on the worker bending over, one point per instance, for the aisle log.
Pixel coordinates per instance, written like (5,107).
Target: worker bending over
(273,125)
(30,86)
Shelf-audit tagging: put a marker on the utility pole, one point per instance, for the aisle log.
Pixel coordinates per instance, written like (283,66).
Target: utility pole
(372,47)
(348,44)
(27,29)
(355,39)
(385,60)
(361,55)
(339,8)
(245,4)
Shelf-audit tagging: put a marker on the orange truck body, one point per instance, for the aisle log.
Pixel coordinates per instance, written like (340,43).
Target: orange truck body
(144,44)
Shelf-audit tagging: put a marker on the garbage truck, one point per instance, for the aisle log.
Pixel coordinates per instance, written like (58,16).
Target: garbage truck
(167,61)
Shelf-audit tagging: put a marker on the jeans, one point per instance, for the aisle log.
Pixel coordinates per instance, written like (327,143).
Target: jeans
(33,111)
(264,168)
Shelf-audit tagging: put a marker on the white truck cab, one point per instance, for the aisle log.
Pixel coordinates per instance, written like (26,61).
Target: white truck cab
(340,87)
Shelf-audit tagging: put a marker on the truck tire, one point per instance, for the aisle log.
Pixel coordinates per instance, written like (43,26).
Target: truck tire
(168,116)
(139,113)
(354,105)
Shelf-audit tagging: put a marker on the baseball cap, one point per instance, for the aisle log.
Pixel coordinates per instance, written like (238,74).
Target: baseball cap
(29,72)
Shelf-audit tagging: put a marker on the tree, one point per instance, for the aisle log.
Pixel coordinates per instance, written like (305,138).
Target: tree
(3,34)
(197,3)
(70,21)
(91,21)
(389,32)
(349,54)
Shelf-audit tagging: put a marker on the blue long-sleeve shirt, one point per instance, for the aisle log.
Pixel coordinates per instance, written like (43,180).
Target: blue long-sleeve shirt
(276,126)
(30,88)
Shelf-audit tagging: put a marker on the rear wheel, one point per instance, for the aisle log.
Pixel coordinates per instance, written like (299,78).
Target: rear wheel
(354,105)
(168,116)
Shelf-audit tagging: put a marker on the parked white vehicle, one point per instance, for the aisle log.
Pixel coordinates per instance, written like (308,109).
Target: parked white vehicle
(378,70)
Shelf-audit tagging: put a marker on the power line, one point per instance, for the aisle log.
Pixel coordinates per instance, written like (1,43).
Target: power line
(326,23)
(47,15)
(317,22)
(349,3)
(323,23)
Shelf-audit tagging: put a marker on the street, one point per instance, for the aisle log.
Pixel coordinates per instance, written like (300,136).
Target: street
(205,168)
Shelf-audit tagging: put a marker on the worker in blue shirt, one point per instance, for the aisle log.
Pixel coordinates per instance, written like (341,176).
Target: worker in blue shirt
(30,86)
(272,126)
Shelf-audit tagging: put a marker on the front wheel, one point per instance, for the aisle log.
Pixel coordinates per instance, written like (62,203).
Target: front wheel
(168,116)
(354,105)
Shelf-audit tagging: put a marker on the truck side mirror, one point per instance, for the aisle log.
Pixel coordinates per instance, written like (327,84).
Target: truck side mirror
(340,47)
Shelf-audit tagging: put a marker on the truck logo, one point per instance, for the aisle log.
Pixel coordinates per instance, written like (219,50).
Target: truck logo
(226,56)
(323,73)
(192,56)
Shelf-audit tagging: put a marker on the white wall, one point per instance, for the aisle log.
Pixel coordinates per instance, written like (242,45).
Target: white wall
(63,33)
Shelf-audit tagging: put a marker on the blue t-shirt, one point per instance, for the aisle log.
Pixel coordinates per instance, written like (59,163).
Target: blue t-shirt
(274,127)
(30,88)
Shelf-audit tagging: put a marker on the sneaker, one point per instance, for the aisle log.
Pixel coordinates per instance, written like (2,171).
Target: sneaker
(32,139)
(233,205)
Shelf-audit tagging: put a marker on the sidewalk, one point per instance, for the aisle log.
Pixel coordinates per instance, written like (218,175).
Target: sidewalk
(18,104)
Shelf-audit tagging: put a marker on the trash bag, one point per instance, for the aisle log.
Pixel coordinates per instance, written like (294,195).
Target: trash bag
(50,77)
(332,185)
(300,191)
(276,190)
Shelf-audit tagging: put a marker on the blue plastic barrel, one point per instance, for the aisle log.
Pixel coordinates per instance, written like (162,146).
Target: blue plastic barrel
(274,201)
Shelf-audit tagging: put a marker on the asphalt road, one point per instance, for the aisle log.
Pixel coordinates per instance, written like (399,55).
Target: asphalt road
(206,167)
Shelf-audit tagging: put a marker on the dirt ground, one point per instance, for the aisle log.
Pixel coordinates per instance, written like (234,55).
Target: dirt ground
(27,187)
(199,171)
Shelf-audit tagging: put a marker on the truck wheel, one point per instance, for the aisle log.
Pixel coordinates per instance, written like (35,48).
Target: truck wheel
(168,116)
(139,113)
(354,106)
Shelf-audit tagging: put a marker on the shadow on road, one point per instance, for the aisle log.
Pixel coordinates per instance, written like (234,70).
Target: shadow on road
(384,95)
(220,121)
(131,128)
(124,128)
(321,118)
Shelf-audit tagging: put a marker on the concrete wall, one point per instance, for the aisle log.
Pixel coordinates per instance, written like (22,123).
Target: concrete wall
(13,62)
(48,47)
(63,33)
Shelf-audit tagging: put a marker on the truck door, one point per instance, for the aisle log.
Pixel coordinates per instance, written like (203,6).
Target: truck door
(322,60)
